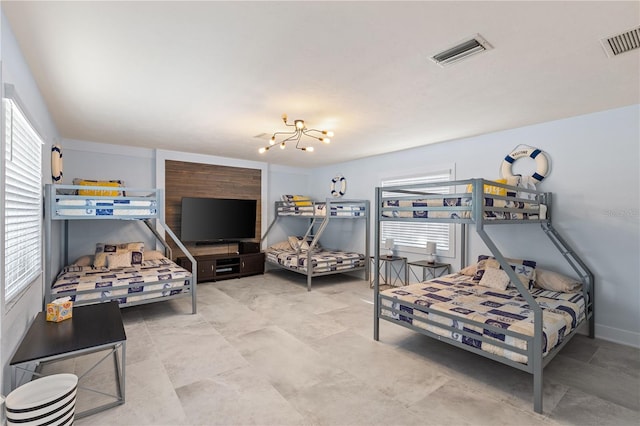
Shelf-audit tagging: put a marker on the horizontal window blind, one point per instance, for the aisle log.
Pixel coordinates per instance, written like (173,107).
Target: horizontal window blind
(22,201)
(416,234)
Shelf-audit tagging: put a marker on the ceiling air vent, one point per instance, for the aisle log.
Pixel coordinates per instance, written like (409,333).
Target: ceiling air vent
(465,49)
(621,43)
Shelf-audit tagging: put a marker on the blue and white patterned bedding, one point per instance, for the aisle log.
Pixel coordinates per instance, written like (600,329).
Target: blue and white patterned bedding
(321,260)
(113,284)
(424,208)
(106,207)
(320,209)
(459,295)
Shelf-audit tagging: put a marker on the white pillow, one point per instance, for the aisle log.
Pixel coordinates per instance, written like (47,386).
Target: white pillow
(119,260)
(549,280)
(282,245)
(84,261)
(495,278)
(298,242)
(153,255)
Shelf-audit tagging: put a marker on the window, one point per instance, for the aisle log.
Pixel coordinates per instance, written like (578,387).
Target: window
(413,236)
(22,200)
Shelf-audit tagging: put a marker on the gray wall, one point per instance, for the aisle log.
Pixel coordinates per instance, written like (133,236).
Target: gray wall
(17,315)
(596,187)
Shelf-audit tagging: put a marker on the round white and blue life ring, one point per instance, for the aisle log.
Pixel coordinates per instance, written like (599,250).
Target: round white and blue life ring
(56,163)
(338,186)
(542,162)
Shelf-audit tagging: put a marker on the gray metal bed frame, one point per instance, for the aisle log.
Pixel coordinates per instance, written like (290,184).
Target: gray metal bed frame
(535,361)
(54,194)
(315,234)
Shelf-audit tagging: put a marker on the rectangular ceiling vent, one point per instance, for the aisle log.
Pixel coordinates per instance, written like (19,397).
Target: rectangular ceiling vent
(462,50)
(621,43)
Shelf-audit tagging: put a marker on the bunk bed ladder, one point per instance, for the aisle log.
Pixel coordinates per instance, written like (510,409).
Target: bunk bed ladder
(579,266)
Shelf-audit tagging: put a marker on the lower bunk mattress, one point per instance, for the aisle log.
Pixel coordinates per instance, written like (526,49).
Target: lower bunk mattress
(322,261)
(152,279)
(462,297)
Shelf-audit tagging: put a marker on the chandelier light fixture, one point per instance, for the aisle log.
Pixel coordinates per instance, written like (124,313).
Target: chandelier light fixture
(299,130)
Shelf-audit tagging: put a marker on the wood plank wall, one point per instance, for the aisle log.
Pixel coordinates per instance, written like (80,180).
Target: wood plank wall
(185,179)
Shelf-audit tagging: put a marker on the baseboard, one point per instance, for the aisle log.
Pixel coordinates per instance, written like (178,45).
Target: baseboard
(618,335)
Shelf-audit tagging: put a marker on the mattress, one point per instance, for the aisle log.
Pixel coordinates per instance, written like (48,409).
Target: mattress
(459,295)
(113,284)
(321,260)
(320,209)
(445,207)
(105,207)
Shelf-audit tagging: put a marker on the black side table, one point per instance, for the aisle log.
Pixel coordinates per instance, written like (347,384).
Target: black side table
(92,328)
(435,269)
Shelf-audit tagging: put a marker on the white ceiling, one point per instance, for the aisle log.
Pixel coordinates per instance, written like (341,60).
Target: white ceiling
(206,77)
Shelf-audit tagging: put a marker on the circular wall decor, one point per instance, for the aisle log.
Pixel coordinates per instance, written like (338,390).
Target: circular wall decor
(522,151)
(338,186)
(56,163)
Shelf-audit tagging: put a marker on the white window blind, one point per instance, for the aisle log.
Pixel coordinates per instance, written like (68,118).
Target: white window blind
(414,235)
(22,201)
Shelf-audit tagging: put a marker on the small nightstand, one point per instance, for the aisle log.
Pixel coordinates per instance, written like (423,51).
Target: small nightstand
(435,269)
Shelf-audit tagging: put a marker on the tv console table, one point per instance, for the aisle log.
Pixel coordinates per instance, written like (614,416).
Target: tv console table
(215,267)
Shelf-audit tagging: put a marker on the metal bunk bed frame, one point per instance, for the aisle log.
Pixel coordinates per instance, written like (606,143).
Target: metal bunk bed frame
(315,234)
(54,193)
(535,360)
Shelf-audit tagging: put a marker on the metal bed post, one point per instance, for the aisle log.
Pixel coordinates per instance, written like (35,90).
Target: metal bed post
(376,265)
(536,362)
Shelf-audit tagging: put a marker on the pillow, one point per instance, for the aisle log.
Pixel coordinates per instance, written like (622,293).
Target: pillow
(118,260)
(554,281)
(282,245)
(153,255)
(297,200)
(105,183)
(469,270)
(84,261)
(490,189)
(494,278)
(135,251)
(525,269)
(298,242)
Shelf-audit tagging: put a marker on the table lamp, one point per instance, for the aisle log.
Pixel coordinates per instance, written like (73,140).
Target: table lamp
(389,244)
(431,252)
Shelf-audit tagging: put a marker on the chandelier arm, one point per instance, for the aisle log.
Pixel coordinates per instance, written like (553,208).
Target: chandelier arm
(290,138)
(298,141)
(312,130)
(285,133)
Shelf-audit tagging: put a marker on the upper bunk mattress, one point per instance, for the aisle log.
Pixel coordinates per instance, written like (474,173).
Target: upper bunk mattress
(320,209)
(121,284)
(459,295)
(106,207)
(445,208)
(321,260)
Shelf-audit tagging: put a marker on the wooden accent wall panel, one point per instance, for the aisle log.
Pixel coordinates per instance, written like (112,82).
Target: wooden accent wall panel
(185,179)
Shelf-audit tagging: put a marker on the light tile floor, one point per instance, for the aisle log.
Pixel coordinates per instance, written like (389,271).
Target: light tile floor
(262,350)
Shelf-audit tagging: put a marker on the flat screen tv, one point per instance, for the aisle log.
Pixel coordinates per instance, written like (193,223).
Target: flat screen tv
(210,220)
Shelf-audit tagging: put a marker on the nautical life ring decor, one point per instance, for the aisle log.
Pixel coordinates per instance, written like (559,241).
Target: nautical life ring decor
(338,186)
(522,151)
(56,163)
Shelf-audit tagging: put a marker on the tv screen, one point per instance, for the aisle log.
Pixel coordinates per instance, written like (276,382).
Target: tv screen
(217,219)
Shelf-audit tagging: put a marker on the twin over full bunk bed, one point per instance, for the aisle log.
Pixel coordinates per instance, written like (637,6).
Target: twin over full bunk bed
(303,254)
(118,272)
(494,308)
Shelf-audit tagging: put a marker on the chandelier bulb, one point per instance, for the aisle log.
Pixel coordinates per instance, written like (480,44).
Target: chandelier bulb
(299,124)
(309,149)
(284,118)
(282,145)
(272,141)
(325,140)
(263,150)
(328,133)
